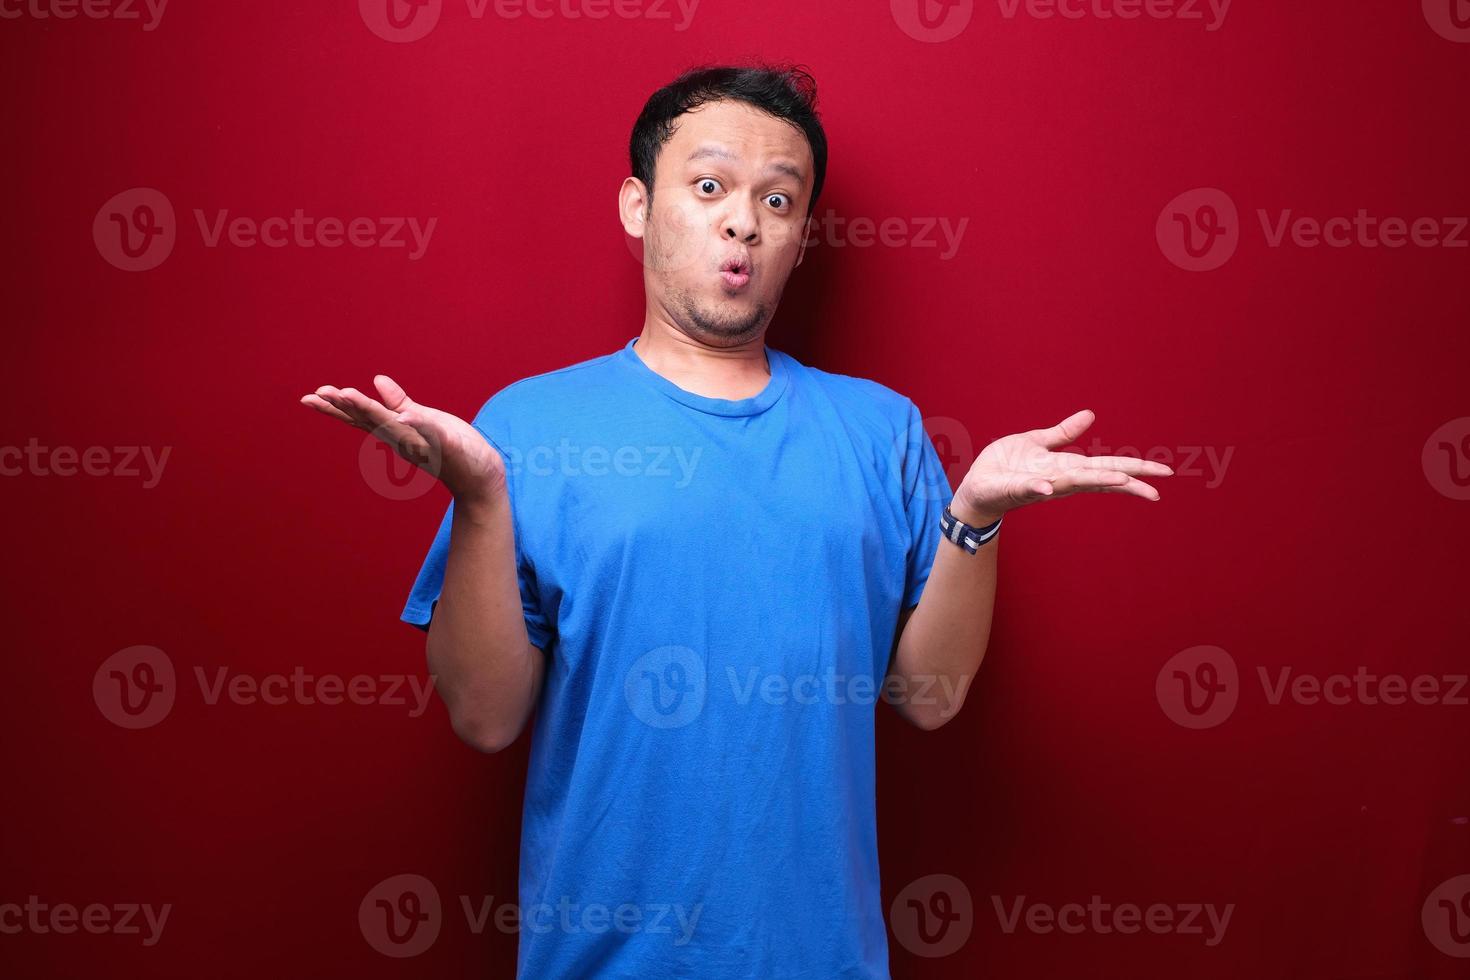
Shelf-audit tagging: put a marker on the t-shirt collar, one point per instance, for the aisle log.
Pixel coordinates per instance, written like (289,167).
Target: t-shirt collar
(768,396)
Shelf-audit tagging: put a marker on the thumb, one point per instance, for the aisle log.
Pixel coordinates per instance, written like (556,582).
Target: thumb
(395,399)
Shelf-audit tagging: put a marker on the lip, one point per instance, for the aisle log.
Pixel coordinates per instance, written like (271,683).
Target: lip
(735,280)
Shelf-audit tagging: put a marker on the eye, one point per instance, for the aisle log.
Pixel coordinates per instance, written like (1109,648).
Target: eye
(708,180)
(785,201)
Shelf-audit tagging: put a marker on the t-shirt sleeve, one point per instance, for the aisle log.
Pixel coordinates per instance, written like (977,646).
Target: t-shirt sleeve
(926,492)
(424,595)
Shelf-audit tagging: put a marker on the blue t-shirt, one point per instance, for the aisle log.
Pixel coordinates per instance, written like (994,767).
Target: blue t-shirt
(716,584)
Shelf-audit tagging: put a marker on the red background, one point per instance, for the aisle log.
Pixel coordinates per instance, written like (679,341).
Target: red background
(264,547)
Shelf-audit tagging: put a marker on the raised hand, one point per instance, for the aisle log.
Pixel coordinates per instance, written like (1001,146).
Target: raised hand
(443,445)
(1024,468)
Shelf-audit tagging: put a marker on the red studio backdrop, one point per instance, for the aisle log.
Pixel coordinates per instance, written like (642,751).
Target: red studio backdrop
(1220,735)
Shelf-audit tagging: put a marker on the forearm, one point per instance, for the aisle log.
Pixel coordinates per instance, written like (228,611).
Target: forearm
(945,637)
(486,669)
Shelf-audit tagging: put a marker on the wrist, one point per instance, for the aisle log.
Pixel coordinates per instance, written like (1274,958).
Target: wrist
(483,507)
(974,515)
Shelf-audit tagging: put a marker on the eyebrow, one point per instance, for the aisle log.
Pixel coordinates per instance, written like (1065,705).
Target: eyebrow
(721,153)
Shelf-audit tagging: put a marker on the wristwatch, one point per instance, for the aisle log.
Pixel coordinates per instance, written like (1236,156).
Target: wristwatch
(965,535)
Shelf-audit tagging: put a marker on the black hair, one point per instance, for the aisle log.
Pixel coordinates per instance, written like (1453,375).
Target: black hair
(784,91)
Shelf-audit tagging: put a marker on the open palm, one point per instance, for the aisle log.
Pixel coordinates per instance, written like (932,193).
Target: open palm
(1023,468)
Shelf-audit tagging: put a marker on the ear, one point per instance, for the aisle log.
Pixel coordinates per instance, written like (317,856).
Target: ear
(805,232)
(632,206)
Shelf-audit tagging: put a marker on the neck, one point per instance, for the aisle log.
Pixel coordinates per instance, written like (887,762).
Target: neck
(735,372)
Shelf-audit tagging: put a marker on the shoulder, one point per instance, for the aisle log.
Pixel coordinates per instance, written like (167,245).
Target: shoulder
(559,390)
(864,397)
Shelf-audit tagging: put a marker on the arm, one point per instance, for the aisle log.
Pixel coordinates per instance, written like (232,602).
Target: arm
(940,642)
(480,655)
(485,667)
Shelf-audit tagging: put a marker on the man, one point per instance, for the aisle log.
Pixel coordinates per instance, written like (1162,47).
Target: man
(700,561)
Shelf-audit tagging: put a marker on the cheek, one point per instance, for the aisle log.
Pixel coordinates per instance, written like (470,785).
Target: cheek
(783,235)
(683,238)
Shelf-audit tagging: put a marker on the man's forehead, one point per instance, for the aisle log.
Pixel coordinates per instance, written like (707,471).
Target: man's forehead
(711,132)
(719,151)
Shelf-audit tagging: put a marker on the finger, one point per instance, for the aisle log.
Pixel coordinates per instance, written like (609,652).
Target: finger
(1136,488)
(372,412)
(321,405)
(332,396)
(1107,481)
(1066,431)
(1123,464)
(395,399)
(1076,480)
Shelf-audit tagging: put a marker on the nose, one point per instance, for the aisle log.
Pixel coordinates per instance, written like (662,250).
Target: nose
(740,223)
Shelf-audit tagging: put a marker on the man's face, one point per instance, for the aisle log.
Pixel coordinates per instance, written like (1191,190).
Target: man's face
(731,186)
